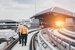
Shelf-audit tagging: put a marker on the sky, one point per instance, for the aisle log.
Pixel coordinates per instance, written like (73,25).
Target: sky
(24,9)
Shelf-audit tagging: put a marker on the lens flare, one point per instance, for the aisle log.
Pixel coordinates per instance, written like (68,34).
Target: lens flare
(59,23)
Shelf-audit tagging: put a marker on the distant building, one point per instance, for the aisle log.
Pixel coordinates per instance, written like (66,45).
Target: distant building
(8,24)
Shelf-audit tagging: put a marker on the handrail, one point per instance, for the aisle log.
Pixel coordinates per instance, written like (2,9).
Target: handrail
(32,42)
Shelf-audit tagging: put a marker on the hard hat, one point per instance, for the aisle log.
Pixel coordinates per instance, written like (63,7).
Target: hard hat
(20,23)
(24,23)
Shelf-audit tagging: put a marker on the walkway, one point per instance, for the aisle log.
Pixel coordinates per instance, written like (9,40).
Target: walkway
(20,47)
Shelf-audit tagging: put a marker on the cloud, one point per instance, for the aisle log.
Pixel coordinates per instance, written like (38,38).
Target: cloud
(10,4)
(67,4)
(23,9)
(25,1)
(15,11)
(45,4)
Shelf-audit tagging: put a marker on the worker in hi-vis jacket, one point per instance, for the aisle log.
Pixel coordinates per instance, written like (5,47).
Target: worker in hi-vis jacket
(24,34)
(19,32)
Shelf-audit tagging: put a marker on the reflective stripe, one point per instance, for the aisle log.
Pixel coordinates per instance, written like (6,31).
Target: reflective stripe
(24,33)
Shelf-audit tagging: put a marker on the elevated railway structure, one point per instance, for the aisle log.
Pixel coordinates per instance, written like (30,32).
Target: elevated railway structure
(52,39)
(50,16)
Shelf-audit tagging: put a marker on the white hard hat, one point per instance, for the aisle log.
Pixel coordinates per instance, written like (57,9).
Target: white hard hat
(24,23)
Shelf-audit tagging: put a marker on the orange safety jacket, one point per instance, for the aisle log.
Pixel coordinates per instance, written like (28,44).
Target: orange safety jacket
(20,28)
(24,30)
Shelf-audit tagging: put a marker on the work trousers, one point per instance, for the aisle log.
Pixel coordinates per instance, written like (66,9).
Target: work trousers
(19,37)
(24,39)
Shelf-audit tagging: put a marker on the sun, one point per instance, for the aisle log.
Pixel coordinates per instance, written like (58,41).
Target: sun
(59,23)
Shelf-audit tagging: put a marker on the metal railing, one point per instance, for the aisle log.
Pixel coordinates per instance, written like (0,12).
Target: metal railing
(55,41)
(32,42)
(65,43)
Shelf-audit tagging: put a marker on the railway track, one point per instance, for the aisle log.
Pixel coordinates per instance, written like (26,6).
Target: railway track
(13,42)
(58,41)
(68,34)
(9,46)
(54,41)
(62,41)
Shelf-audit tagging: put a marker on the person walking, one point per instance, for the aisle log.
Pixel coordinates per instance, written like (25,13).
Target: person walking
(19,32)
(24,35)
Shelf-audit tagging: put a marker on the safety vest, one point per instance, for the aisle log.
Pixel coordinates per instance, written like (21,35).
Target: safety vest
(20,28)
(24,30)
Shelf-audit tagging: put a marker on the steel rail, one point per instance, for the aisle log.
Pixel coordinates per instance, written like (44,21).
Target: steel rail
(32,42)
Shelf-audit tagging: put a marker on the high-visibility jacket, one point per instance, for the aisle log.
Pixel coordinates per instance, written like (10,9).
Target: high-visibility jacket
(24,30)
(20,28)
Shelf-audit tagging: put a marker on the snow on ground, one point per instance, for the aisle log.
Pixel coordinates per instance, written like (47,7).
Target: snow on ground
(2,45)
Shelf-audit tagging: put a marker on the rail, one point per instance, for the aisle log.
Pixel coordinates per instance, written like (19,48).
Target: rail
(32,42)
(63,42)
(9,47)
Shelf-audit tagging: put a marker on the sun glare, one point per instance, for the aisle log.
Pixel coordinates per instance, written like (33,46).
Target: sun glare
(59,23)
